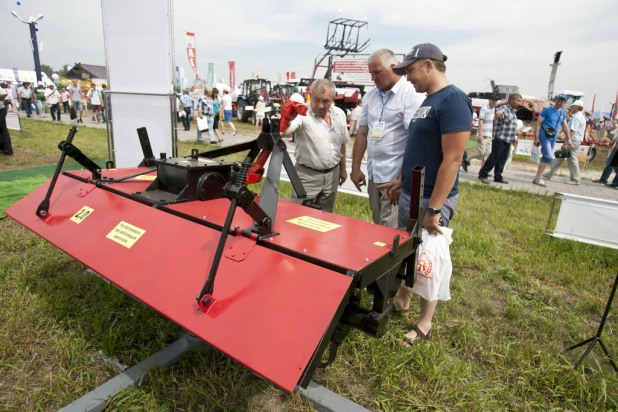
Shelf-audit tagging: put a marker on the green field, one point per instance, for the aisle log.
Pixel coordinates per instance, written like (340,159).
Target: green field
(520,298)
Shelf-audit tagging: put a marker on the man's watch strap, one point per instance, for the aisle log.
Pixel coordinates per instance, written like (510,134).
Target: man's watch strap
(433,211)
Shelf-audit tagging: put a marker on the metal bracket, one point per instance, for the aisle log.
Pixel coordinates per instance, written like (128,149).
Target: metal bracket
(83,191)
(240,249)
(395,250)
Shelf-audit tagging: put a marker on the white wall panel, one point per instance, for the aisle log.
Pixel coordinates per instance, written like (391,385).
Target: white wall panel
(139,58)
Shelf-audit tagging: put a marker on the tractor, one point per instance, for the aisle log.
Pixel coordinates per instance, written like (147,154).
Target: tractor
(251,90)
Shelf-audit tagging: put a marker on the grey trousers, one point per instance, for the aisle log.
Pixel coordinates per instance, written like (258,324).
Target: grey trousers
(319,186)
(382,211)
(572,162)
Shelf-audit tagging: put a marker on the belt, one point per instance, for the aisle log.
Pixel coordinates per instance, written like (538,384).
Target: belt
(320,170)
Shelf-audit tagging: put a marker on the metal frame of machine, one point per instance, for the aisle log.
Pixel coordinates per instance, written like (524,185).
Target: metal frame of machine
(199,178)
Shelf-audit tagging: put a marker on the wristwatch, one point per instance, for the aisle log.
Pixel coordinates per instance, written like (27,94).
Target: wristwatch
(433,211)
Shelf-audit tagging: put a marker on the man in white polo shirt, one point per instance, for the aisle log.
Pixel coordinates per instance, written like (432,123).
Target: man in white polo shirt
(321,137)
(383,129)
(485,131)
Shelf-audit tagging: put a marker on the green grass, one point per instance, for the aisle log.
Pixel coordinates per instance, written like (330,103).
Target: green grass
(36,144)
(520,298)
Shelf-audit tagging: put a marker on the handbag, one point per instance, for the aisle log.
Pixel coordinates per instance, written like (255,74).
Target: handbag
(551,131)
(562,154)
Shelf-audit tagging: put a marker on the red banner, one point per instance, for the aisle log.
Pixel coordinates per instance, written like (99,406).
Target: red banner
(287,75)
(191,53)
(293,75)
(232,75)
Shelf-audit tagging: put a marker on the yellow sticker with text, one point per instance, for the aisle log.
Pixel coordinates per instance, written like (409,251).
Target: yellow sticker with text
(83,213)
(146,177)
(379,244)
(314,224)
(125,234)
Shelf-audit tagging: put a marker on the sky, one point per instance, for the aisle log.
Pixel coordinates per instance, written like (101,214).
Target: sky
(512,42)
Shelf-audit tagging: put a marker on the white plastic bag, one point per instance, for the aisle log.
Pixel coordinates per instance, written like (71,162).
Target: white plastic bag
(535,154)
(434,266)
(202,124)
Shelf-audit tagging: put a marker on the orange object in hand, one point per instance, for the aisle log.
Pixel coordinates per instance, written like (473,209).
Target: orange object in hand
(289,111)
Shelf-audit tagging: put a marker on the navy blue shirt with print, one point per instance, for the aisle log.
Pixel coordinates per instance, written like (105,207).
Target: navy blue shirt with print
(447,111)
(553,119)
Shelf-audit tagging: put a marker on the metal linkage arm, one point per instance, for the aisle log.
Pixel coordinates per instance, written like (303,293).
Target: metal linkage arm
(205,298)
(76,154)
(43,208)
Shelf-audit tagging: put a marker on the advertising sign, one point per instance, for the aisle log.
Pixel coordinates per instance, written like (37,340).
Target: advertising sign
(352,71)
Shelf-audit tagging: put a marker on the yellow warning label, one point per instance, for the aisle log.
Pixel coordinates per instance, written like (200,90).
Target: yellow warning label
(146,177)
(83,213)
(313,223)
(379,244)
(125,234)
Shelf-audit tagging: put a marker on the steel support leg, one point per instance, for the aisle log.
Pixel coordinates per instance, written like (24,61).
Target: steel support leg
(325,400)
(95,400)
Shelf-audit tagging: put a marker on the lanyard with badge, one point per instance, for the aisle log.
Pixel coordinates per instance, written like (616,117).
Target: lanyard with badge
(378,127)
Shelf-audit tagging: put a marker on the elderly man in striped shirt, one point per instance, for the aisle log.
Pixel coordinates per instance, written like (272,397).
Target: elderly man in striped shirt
(505,132)
(383,129)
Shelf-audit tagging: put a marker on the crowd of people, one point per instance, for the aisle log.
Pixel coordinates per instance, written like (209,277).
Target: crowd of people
(215,110)
(69,100)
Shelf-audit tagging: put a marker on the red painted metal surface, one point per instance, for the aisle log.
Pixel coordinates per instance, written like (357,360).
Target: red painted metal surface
(271,310)
(347,246)
(333,246)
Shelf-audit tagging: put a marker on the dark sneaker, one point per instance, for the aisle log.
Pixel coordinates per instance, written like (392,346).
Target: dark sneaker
(484,180)
(600,181)
(505,182)
(465,165)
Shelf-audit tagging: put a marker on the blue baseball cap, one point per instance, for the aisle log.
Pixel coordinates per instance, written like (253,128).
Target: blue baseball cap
(561,96)
(420,52)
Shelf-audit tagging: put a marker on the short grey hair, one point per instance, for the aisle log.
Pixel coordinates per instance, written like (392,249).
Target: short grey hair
(322,86)
(385,56)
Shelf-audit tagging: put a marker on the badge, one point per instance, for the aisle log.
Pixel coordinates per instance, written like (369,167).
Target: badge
(378,131)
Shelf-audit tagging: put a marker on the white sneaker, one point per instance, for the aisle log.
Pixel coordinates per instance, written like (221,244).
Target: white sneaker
(539,182)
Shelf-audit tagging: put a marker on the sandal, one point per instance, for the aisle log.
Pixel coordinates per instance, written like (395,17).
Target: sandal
(407,342)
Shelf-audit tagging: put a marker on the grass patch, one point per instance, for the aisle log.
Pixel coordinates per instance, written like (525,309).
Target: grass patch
(519,299)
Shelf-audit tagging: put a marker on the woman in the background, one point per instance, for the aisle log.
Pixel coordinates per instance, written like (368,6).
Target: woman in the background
(216,105)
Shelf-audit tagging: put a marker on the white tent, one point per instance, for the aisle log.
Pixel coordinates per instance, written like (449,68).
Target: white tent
(23,76)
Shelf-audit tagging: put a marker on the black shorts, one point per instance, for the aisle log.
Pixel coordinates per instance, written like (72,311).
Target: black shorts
(215,124)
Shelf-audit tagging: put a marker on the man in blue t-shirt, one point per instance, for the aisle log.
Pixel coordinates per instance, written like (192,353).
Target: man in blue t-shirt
(438,134)
(547,127)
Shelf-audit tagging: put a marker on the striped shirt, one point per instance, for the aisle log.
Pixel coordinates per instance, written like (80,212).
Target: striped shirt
(506,129)
(487,114)
(205,105)
(186,101)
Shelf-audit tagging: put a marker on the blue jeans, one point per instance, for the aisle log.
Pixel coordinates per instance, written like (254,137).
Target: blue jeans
(186,119)
(608,169)
(447,211)
(211,136)
(547,149)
